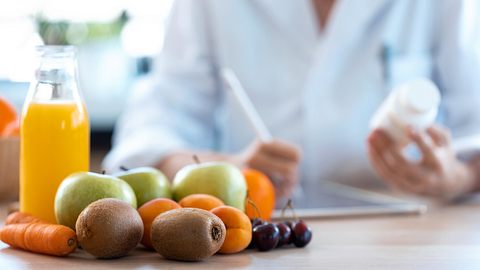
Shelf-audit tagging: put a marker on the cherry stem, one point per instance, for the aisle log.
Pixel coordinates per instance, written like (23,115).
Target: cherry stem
(289,205)
(257,213)
(123,168)
(196,159)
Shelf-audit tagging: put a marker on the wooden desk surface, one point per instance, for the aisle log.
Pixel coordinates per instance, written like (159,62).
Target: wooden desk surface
(444,238)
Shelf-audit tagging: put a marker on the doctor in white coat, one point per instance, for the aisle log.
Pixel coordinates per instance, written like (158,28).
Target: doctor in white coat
(316,70)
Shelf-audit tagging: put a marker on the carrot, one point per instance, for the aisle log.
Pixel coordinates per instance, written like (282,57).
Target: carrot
(43,238)
(19,217)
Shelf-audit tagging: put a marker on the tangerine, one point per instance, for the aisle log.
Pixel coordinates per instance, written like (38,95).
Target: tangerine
(262,192)
(7,114)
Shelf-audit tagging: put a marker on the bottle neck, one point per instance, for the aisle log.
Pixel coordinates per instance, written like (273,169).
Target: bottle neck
(56,76)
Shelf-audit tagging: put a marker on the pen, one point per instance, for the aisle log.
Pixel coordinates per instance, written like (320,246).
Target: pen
(254,118)
(252,114)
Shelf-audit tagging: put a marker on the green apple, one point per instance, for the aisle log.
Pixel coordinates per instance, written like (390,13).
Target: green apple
(147,183)
(220,179)
(80,189)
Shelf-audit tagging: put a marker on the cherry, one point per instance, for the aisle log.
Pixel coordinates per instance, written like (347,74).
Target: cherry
(290,225)
(302,234)
(255,222)
(285,234)
(266,236)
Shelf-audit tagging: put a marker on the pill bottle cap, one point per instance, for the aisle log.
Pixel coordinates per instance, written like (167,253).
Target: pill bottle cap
(419,96)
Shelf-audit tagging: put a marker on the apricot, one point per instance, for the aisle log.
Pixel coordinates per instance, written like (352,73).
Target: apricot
(239,229)
(149,211)
(202,201)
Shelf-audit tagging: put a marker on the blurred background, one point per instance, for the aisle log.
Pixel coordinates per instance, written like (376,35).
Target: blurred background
(116,41)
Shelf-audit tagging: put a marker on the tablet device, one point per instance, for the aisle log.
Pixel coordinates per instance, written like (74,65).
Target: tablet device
(332,200)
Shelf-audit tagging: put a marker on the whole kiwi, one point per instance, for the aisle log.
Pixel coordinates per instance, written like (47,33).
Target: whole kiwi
(109,228)
(187,234)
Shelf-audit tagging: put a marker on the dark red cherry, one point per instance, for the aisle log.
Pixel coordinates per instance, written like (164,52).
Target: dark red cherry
(290,225)
(255,222)
(266,236)
(285,234)
(302,234)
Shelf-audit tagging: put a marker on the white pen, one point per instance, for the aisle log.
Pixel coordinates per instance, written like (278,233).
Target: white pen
(239,92)
(254,118)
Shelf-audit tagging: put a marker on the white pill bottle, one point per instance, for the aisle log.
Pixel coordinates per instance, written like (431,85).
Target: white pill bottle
(413,104)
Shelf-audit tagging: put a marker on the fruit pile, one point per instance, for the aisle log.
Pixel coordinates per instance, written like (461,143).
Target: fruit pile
(205,211)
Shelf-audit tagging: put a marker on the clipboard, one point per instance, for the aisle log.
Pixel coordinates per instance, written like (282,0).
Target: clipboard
(334,200)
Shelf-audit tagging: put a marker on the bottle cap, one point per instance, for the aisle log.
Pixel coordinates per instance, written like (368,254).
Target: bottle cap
(420,96)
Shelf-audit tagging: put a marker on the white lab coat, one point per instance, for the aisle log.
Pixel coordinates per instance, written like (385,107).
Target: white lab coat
(318,90)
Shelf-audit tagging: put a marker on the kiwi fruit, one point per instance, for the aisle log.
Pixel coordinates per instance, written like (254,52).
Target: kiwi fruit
(187,234)
(109,228)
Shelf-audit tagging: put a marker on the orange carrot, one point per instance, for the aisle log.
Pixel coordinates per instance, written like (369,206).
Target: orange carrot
(19,217)
(43,238)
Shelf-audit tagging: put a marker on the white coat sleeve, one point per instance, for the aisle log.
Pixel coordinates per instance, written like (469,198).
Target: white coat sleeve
(458,65)
(175,107)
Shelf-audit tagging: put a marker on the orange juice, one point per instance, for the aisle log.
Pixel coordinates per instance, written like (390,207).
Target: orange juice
(54,143)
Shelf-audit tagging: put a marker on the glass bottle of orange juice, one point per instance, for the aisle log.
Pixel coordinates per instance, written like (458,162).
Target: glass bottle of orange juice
(55,131)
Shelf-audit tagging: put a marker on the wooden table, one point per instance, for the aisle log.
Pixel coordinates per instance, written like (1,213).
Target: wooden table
(445,238)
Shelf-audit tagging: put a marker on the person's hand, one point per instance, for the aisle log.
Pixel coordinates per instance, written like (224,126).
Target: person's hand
(278,159)
(437,174)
